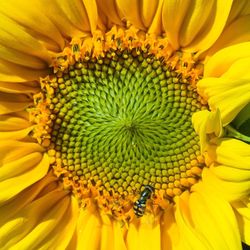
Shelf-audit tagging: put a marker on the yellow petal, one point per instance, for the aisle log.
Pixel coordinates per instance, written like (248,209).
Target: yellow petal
(206,124)
(223,93)
(213,21)
(145,15)
(21,58)
(20,166)
(170,235)
(118,235)
(174,10)
(111,234)
(19,88)
(111,11)
(152,16)
(217,65)
(12,150)
(34,20)
(197,24)
(224,98)
(15,135)
(239,8)
(148,10)
(196,19)
(238,70)
(61,235)
(20,40)
(214,219)
(230,174)
(130,9)
(231,152)
(12,123)
(242,212)
(190,238)
(227,190)
(72,18)
(12,72)
(132,236)
(88,230)
(24,198)
(149,234)
(106,233)
(237,32)
(91,11)
(243,206)
(12,103)
(20,51)
(11,187)
(246,9)
(33,223)
(83,14)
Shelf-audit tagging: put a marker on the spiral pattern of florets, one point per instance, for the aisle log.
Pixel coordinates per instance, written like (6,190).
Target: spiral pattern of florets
(116,116)
(125,120)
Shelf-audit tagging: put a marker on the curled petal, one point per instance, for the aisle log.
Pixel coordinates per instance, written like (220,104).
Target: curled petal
(207,124)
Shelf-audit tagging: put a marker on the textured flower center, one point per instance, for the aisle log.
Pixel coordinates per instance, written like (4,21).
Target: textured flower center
(118,121)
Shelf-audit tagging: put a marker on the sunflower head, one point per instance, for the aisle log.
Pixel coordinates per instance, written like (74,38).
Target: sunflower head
(117,122)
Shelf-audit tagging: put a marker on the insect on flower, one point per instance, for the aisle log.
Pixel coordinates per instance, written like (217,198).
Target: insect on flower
(140,204)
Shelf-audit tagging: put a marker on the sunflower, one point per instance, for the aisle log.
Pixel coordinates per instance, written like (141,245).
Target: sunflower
(124,124)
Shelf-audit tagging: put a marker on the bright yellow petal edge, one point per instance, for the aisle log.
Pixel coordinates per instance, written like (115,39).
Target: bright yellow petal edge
(229,169)
(38,212)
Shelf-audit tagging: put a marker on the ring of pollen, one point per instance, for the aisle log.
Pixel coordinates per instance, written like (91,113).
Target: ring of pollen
(115,115)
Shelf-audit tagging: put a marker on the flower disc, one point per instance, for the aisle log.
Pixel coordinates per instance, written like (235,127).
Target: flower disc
(119,121)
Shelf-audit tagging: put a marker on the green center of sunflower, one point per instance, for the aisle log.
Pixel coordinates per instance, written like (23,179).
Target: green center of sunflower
(119,122)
